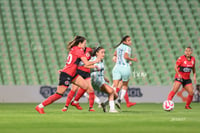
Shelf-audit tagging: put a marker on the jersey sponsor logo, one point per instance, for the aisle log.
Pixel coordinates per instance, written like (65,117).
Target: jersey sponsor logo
(185,69)
(88,54)
(67,83)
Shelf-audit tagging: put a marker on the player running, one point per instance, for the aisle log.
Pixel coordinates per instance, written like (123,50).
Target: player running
(119,87)
(85,73)
(68,74)
(122,69)
(100,81)
(184,65)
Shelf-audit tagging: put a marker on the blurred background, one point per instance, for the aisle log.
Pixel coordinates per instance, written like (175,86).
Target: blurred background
(34,34)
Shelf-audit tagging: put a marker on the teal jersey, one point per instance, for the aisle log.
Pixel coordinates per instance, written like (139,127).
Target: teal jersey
(121,50)
(97,75)
(100,71)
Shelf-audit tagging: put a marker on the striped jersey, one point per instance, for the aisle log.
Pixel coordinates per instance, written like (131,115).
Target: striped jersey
(121,50)
(97,72)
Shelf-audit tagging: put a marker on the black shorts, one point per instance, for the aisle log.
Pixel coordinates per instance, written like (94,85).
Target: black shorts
(83,74)
(184,82)
(65,79)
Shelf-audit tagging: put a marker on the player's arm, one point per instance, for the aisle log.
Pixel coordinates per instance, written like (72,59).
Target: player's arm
(126,56)
(88,63)
(194,73)
(114,59)
(91,66)
(176,69)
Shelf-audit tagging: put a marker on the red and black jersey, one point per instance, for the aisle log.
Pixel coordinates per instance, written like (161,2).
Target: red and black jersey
(88,56)
(73,60)
(185,66)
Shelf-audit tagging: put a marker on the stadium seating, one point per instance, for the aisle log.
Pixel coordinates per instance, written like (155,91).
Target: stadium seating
(34,33)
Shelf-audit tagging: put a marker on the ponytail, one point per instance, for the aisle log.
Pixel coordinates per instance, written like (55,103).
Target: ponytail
(123,39)
(75,42)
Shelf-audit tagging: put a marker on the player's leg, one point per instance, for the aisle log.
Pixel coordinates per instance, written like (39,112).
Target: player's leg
(110,91)
(174,90)
(90,91)
(59,93)
(189,89)
(64,82)
(70,95)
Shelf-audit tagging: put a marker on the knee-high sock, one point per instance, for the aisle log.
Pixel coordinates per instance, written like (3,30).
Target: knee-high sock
(171,95)
(117,90)
(122,94)
(112,105)
(79,94)
(189,100)
(69,97)
(97,100)
(126,97)
(51,99)
(91,99)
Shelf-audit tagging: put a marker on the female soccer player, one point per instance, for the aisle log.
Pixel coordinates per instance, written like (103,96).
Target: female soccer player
(99,81)
(184,65)
(126,97)
(122,70)
(68,73)
(85,73)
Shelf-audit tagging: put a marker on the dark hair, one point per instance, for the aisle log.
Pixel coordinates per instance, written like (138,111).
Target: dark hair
(75,42)
(97,49)
(123,39)
(189,47)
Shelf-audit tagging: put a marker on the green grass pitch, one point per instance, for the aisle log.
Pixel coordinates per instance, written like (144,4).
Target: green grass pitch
(143,117)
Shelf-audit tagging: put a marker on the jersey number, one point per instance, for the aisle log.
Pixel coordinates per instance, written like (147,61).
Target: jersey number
(69,59)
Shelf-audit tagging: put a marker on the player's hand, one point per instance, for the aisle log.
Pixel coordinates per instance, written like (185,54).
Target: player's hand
(195,81)
(114,59)
(179,76)
(95,66)
(107,80)
(59,71)
(135,59)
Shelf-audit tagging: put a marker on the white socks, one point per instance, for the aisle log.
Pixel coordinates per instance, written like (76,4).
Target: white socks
(86,95)
(123,92)
(97,100)
(112,105)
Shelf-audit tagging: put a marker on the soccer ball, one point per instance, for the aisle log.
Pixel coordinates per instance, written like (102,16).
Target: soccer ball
(168,105)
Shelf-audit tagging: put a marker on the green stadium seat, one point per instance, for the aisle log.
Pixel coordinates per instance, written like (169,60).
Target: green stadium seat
(36,32)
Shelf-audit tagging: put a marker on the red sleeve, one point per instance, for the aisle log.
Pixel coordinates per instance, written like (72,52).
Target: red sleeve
(179,61)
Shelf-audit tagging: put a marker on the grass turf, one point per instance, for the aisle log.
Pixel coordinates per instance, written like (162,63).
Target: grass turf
(143,117)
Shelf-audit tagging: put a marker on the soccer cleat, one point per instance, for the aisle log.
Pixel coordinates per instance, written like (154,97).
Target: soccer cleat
(91,109)
(188,107)
(130,104)
(76,105)
(118,103)
(103,107)
(39,110)
(64,109)
(113,111)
